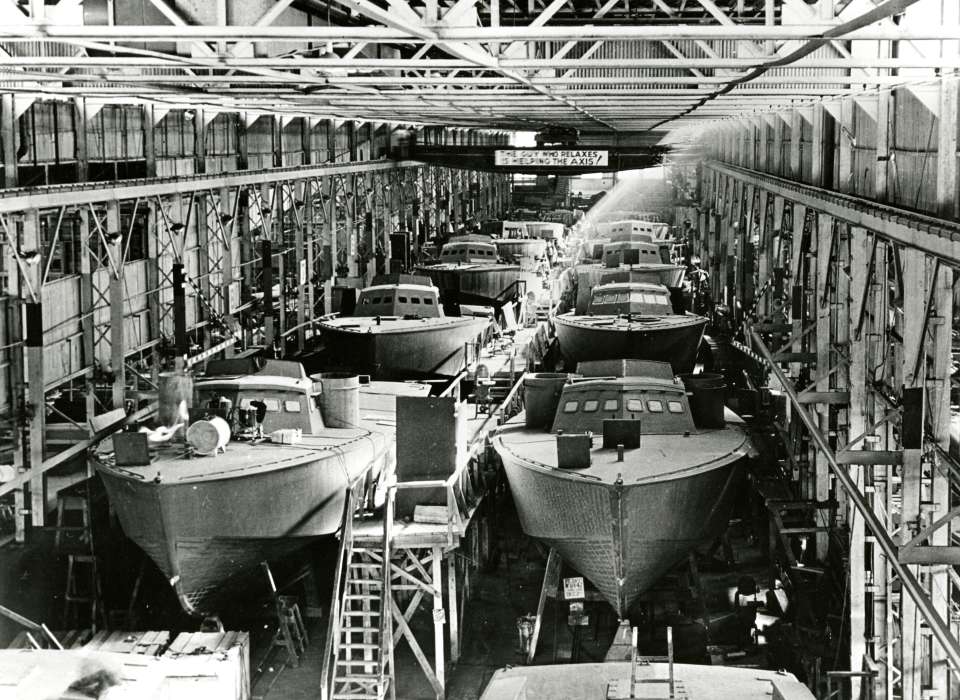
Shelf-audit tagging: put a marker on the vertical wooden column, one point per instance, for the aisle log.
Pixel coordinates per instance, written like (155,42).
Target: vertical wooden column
(8,140)
(32,299)
(858,420)
(81,147)
(776,159)
(796,138)
(453,607)
(797,282)
(329,240)
(228,225)
(844,179)
(938,500)
(439,617)
(763,156)
(199,145)
(880,186)
(914,307)
(306,244)
(824,348)
(117,316)
(349,232)
(206,212)
(947,149)
(816,148)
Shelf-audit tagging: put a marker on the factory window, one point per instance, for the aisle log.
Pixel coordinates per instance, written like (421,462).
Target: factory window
(674,407)
(402,300)
(291,406)
(655,406)
(590,406)
(611,405)
(570,407)
(635,405)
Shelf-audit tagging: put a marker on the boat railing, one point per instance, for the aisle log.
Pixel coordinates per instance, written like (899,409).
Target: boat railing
(338,599)
(386,598)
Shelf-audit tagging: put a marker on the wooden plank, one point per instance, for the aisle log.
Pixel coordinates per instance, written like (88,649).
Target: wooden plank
(869,457)
(551,579)
(930,555)
(825,397)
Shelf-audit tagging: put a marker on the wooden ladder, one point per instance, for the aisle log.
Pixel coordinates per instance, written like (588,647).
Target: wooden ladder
(358,657)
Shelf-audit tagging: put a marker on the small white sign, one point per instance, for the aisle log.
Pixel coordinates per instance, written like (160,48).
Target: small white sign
(303,272)
(573,588)
(534,158)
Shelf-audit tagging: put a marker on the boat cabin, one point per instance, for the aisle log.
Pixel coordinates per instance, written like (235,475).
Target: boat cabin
(660,405)
(623,230)
(544,229)
(504,229)
(468,252)
(272,399)
(631,253)
(400,300)
(630,298)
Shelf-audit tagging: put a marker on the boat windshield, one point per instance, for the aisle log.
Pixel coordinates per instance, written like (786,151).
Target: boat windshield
(661,407)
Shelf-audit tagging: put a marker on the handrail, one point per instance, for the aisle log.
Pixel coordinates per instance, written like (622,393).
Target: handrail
(891,551)
(386,595)
(515,283)
(336,613)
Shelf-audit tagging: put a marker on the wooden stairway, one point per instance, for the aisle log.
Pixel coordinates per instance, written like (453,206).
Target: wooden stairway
(361,670)
(358,656)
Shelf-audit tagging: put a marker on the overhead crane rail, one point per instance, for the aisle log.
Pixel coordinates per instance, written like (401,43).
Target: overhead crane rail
(48,196)
(933,235)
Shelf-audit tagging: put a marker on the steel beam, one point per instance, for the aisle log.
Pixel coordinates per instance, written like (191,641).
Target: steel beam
(938,237)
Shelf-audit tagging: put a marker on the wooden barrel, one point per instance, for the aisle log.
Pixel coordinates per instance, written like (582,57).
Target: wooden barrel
(209,435)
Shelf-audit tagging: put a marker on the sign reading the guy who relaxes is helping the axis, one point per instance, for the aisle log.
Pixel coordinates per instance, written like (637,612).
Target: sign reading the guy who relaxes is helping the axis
(537,158)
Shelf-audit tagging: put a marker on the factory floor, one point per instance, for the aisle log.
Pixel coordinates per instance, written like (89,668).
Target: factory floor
(511,590)
(32,582)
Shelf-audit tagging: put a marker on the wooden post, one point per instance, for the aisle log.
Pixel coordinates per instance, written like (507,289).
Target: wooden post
(824,241)
(452,606)
(438,620)
(947,149)
(117,317)
(884,102)
(33,344)
(796,137)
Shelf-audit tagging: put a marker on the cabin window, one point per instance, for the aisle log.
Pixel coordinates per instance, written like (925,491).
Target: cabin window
(428,301)
(651,299)
(472,251)
(291,406)
(273,405)
(570,406)
(366,300)
(611,405)
(402,300)
(414,300)
(375,300)
(635,405)
(655,406)
(590,406)
(674,407)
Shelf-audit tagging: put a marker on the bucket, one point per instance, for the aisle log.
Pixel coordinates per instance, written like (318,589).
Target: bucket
(209,435)
(339,399)
(541,395)
(707,394)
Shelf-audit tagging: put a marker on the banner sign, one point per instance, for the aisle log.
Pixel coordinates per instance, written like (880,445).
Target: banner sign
(535,158)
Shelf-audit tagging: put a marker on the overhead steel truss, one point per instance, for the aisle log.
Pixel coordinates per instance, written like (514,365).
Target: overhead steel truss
(456,63)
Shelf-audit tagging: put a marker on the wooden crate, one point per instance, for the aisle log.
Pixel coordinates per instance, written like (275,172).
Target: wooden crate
(147,643)
(212,666)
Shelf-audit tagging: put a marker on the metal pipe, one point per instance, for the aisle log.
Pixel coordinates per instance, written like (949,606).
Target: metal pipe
(908,581)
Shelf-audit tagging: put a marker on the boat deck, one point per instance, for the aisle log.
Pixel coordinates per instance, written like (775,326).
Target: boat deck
(704,450)
(603,681)
(171,462)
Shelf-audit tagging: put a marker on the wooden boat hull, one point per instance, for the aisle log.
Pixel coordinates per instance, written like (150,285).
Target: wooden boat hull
(203,532)
(622,538)
(674,341)
(483,285)
(397,349)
